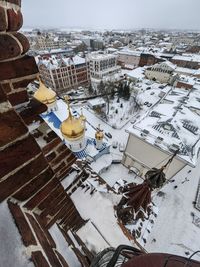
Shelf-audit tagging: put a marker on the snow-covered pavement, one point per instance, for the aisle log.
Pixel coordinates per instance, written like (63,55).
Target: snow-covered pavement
(174,231)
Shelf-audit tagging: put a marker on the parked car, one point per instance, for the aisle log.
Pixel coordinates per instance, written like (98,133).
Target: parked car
(108,135)
(148,88)
(149,105)
(146,103)
(121,147)
(114,144)
(134,170)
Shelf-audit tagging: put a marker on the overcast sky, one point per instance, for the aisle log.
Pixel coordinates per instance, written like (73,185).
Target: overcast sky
(112,14)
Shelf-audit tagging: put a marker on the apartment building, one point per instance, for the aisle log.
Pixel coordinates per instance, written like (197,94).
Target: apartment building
(63,73)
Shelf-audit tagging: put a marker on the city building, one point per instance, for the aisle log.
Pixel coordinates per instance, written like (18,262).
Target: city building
(147,59)
(46,41)
(63,73)
(161,72)
(103,65)
(172,125)
(191,61)
(129,59)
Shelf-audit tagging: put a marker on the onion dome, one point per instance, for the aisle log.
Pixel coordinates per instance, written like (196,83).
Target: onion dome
(155,177)
(72,128)
(45,95)
(99,134)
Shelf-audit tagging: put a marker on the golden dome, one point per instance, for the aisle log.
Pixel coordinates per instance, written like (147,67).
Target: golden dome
(72,128)
(45,95)
(99,134)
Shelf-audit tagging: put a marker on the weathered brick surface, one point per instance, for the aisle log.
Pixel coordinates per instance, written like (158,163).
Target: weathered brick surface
(50,198)
(30,112)
(23,83)
(3,96)
(15,20)
(23,40)
(47,234)
(6,87)
(62,260)
(16,2)
(59,215)
(51,156)
(53,209)
(3,23)
(22,224)
(17,154)
(60,167)
(11,127)
(17,98)
(58,159)
(9,47)
(61,148)
(51,145)
(42,194)
(39,260)
(19,68)
(34,186)
(44,243)
(20,178)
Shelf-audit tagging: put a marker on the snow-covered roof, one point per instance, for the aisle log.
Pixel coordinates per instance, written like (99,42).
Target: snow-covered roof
(55,61)
(176,122)
(188,57)
(97,56)
(96,101)
(137,73)
(129,52)
(166,64)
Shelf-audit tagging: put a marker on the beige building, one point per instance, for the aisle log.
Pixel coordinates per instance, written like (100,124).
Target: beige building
(171,125)
(45,42)
(142,156)
(103,65)
(161,72)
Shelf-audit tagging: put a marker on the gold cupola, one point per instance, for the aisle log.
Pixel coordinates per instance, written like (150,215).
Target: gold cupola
(99,134)
(72,128)
(45,95)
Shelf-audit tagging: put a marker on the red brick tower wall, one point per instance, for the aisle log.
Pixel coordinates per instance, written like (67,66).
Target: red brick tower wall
(32,188)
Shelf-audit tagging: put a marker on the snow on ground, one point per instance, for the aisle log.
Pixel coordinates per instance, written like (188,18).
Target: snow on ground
(93,121)
(12,251)
(101,163)
(118,171)
(174,231)
(69,179)
(63,248)
(98,207)
(93,240)
(125,110)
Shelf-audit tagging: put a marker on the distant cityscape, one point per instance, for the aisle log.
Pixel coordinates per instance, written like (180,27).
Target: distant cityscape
(99,146)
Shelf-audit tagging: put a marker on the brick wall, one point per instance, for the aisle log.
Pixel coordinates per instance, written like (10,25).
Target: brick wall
(30,176)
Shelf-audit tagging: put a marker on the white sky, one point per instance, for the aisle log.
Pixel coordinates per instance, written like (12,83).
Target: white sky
(112,14)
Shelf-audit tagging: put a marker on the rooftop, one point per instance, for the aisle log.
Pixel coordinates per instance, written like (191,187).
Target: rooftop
(54,61)
(175,119)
